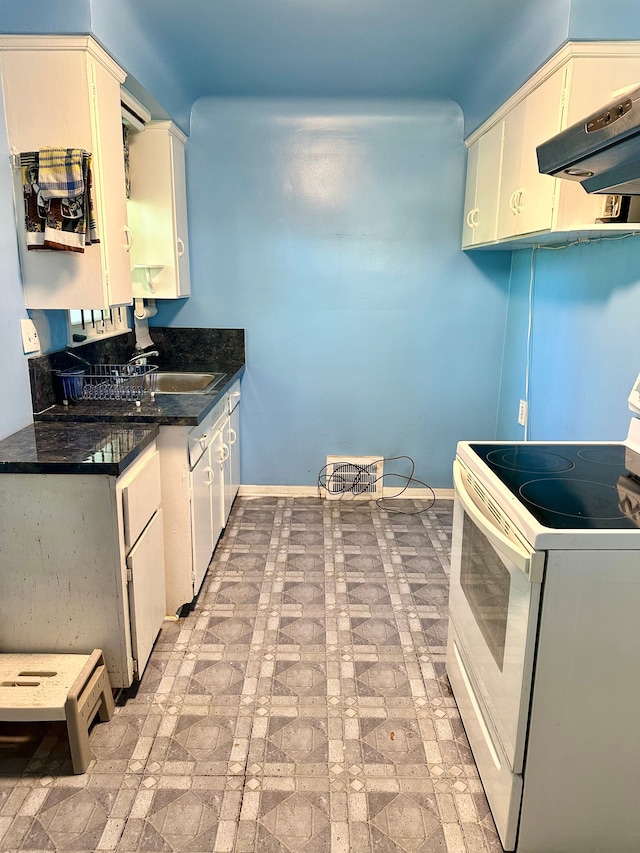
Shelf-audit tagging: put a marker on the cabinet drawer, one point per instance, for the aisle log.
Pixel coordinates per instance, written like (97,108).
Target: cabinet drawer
(141,498)
(200,436)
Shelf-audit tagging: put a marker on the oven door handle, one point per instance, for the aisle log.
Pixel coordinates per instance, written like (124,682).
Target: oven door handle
(528,561)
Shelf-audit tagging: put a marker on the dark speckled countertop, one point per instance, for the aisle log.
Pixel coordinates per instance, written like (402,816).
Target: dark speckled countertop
(63,448)
(166,409)
(103,437)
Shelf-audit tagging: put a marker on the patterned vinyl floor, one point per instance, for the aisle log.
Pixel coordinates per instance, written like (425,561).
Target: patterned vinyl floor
(302,706)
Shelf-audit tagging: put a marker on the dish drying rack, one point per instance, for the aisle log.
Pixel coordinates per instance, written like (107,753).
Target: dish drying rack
(130,382)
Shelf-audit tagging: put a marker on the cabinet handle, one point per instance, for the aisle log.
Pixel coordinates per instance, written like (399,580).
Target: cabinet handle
(180,247)
(224,453)
(211,474)
(128,238)
(233,435)
(472,218)
(520,196)
(202,439)
(512,202)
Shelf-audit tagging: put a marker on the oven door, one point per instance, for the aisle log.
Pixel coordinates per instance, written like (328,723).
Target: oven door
(493,603)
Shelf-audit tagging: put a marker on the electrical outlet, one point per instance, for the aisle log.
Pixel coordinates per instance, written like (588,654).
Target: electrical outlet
(30,339)
(523,411)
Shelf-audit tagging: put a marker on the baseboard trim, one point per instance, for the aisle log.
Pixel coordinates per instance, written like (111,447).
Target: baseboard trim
(312,492)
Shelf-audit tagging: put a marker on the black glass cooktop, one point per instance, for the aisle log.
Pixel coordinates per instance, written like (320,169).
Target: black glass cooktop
(570,486)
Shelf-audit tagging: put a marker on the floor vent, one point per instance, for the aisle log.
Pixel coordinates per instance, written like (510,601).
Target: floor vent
(349,477)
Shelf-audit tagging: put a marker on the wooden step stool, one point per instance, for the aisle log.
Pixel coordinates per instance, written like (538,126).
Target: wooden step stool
(35,687)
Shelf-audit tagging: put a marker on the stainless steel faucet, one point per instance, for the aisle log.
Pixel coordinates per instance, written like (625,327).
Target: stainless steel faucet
(143,356)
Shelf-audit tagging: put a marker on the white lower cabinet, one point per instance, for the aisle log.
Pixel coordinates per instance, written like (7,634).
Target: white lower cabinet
(82,564)
(200,478)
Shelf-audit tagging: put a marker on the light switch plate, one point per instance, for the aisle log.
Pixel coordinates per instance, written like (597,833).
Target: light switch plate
(30,339)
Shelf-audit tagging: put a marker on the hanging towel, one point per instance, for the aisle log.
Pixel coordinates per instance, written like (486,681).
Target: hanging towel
(65,224)
(60,172)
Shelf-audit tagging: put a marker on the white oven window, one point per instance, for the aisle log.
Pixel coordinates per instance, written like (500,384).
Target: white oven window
(486,584)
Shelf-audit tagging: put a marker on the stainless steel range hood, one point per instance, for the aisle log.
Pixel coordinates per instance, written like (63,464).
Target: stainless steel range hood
(602,152)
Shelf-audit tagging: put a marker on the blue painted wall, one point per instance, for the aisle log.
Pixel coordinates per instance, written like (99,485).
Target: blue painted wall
(330,231)
(43,16)
(510,57)
(593,19)
(586,304)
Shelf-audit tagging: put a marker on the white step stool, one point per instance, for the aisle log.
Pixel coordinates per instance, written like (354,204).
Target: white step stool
(35,687)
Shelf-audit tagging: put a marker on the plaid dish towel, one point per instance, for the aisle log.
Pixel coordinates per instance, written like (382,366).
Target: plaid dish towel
(66,224)
(60,172)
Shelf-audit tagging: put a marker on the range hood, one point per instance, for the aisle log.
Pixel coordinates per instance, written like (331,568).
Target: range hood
(602,152)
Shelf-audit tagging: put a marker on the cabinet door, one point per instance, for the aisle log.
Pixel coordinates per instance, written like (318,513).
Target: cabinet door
(470,209)
(158,212)
(146,590)
(488,183)
(233,441)
(203,477)
(220,462)
(482,194)
(527,198)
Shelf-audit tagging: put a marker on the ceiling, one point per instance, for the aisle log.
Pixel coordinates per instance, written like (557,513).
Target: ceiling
(356,48)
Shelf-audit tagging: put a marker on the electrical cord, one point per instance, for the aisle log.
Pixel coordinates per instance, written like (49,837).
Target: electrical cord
(350,478)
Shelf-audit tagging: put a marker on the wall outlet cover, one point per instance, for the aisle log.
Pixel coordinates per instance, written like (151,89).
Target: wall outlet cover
(30,339)
(523,411)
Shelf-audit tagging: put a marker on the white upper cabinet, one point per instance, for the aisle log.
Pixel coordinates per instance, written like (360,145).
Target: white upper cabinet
(533,208)
(483,190)
(526,197)
(158,212)
(64,91)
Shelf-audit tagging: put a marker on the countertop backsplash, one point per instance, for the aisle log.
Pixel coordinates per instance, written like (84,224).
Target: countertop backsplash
(179,348)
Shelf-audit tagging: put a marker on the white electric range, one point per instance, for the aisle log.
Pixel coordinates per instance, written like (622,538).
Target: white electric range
(544,637)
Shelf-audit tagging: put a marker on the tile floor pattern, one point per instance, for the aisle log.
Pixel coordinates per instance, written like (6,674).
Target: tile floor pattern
(302,706)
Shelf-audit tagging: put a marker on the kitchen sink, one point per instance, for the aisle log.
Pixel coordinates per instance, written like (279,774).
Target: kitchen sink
(186,383)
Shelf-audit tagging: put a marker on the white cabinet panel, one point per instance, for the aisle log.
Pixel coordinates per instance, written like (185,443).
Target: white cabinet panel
(140,499)
(202,481)
(484,168)
(527,197)
(146,590)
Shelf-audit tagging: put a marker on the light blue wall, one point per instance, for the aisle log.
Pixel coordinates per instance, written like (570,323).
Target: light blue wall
(330,230)
(120,27)
(43,16)
(593,19)
(585,341)
(510,57)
